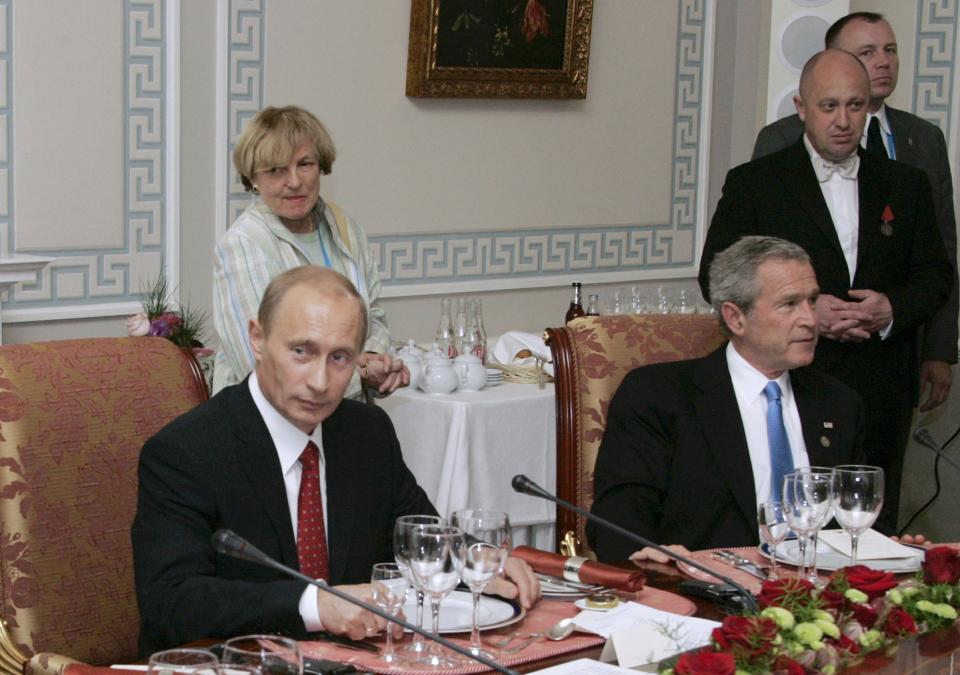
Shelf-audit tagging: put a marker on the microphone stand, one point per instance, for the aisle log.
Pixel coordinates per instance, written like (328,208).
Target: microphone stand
(230,543)
(524,485)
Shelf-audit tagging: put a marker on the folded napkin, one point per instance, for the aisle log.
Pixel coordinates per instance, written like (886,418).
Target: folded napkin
(521,349)
(591,572)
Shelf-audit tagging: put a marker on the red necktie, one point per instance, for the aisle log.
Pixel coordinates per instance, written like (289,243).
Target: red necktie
(311,534)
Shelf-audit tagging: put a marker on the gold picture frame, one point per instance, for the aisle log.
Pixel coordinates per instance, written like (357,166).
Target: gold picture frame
(499,49)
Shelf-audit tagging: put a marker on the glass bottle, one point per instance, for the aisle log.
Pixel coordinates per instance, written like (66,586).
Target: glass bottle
(576,306)
(593,305)
(480,344)
(445,337)
(460,329)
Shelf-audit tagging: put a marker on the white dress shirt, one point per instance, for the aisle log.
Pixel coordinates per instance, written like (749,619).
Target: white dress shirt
(843,201)
(748,384)
(289,442)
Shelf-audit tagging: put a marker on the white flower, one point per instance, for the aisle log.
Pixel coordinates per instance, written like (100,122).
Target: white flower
(138,325)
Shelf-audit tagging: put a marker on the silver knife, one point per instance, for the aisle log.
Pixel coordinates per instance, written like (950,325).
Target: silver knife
(740,563)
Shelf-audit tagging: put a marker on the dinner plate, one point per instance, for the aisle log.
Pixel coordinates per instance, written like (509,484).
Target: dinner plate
(456,612)
(830,559)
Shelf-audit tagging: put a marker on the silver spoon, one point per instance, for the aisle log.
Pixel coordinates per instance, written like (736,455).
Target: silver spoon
(558,631)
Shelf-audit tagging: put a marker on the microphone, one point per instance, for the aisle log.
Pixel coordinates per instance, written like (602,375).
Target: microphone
(923,436)
(232,544)
(524,485)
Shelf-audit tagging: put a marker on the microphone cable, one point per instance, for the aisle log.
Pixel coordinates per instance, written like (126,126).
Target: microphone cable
(936,479)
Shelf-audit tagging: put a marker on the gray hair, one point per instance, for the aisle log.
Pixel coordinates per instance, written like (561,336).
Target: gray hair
(733,272)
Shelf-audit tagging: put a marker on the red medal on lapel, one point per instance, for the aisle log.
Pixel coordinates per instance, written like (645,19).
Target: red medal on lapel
(886,229)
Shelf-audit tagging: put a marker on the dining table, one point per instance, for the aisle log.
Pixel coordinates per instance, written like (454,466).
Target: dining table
(465,447)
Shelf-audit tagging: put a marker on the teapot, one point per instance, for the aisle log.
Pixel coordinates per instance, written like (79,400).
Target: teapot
(438,376)
(412,357)
(470,372)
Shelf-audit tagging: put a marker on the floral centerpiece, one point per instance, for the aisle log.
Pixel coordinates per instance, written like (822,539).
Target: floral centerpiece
(801,629)
(183,327)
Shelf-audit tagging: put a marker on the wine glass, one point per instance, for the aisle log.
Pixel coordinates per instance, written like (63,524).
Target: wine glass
(266,654)
(182,661)
(389,591)
(436,561)
(401,554)
(488,543)
(772,520)
(857,499)
(807,501)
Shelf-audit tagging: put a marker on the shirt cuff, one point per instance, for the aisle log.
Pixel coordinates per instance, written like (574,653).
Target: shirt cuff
(309,611)
(885,333)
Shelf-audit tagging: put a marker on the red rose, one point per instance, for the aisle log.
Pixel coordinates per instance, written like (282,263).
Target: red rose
(787,666)
(898,623)
(942,565)
(871,582)
(845,644)
(832,600)
(171,318)
(750,633)
(705,662)
(865,614)
(775,593)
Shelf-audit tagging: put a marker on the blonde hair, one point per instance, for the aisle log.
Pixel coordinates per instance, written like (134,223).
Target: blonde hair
(274,134)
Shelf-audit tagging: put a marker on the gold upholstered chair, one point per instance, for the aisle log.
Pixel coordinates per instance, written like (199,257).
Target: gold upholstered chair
(73,417)
(591,356)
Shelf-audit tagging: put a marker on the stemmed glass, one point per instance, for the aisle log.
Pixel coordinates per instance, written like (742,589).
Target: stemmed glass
(772,520)
(389,591)
(806,502)
(857,499)
(436,560)
(401,554)
(488,543)
(266,654)
(182,661)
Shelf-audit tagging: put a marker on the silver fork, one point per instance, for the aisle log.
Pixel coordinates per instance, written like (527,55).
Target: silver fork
(528,640)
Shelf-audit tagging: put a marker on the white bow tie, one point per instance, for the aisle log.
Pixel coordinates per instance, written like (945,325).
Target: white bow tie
(846,168)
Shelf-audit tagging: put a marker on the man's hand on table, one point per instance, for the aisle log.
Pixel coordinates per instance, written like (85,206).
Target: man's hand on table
(341,618)
(522,586)
(648,554)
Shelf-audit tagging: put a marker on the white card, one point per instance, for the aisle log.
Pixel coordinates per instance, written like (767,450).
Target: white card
(872,545)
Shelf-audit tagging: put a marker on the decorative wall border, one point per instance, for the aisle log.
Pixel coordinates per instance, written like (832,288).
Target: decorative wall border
(111,277)
(935,62)
(412,264)
(420,264)
(242,82)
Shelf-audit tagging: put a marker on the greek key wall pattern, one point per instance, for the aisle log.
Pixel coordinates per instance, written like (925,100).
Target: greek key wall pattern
(109,275)
(935,62)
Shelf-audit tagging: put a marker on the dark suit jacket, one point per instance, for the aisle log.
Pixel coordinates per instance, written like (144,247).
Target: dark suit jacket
(921,145)
(674,465)
(778,195)
(216,466)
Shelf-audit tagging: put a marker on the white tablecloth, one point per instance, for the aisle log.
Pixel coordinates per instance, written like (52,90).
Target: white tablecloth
(465,447)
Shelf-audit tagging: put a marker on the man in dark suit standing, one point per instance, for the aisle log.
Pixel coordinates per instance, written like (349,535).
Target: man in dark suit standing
(902,136)
(869,228)
(282,459)
(692,448)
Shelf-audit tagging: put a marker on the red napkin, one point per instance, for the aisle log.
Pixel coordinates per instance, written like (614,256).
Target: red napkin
(591,572)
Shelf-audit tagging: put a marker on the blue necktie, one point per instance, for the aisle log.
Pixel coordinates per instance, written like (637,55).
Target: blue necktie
(781,459)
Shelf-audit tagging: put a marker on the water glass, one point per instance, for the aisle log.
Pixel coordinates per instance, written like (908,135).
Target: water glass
(183,661)
(389,586)
(857,499)
(436,560)
(807,503)
(772,521)
(488,543)
(265,654)
(401,555)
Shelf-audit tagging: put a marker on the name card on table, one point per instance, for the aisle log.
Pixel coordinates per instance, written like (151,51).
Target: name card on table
(638,635)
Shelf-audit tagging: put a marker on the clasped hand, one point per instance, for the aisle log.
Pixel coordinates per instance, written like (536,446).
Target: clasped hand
(853,321)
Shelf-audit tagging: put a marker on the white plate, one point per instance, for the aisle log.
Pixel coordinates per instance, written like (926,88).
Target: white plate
(456,612)
(829,559)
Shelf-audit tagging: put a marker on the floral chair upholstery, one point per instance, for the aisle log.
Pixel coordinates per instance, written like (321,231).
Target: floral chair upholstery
(73,417)
(591,356)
